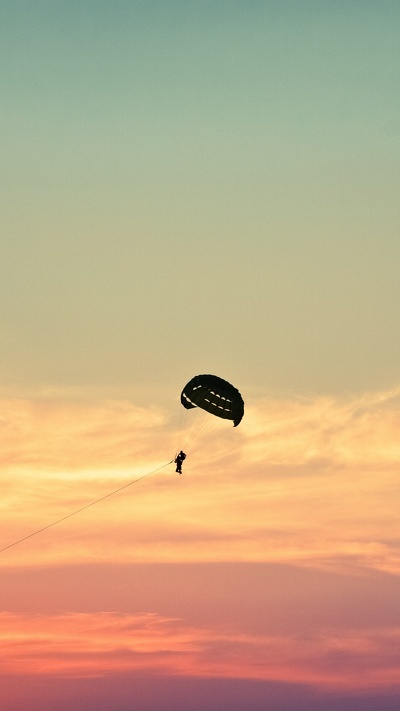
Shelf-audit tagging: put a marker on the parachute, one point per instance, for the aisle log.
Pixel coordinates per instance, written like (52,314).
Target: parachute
(214,395)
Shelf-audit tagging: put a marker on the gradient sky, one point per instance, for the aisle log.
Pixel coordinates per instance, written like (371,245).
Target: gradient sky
(193,187)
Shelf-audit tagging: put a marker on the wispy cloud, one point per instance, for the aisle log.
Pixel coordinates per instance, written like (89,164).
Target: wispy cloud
(312,481)
(96,644)
(62,435)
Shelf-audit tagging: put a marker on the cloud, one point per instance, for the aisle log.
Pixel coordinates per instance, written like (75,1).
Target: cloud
(79,645)
(63,435)
(340,432)
(311,481)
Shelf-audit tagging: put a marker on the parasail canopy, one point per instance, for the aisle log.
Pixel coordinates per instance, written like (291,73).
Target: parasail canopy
(215,395)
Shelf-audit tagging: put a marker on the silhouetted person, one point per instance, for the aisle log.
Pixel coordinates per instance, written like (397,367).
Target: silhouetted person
(178,461)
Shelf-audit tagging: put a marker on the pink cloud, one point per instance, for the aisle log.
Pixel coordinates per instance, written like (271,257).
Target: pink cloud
(79,645)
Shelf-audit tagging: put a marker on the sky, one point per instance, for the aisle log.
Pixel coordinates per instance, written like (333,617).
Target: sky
(199,187)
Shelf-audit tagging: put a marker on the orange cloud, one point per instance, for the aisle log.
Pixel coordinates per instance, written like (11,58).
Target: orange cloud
(64,435)
(308,481)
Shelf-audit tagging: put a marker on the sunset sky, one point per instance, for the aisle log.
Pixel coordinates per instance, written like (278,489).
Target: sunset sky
(187,187)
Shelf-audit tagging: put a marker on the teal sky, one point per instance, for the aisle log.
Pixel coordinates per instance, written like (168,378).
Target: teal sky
(200,187)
